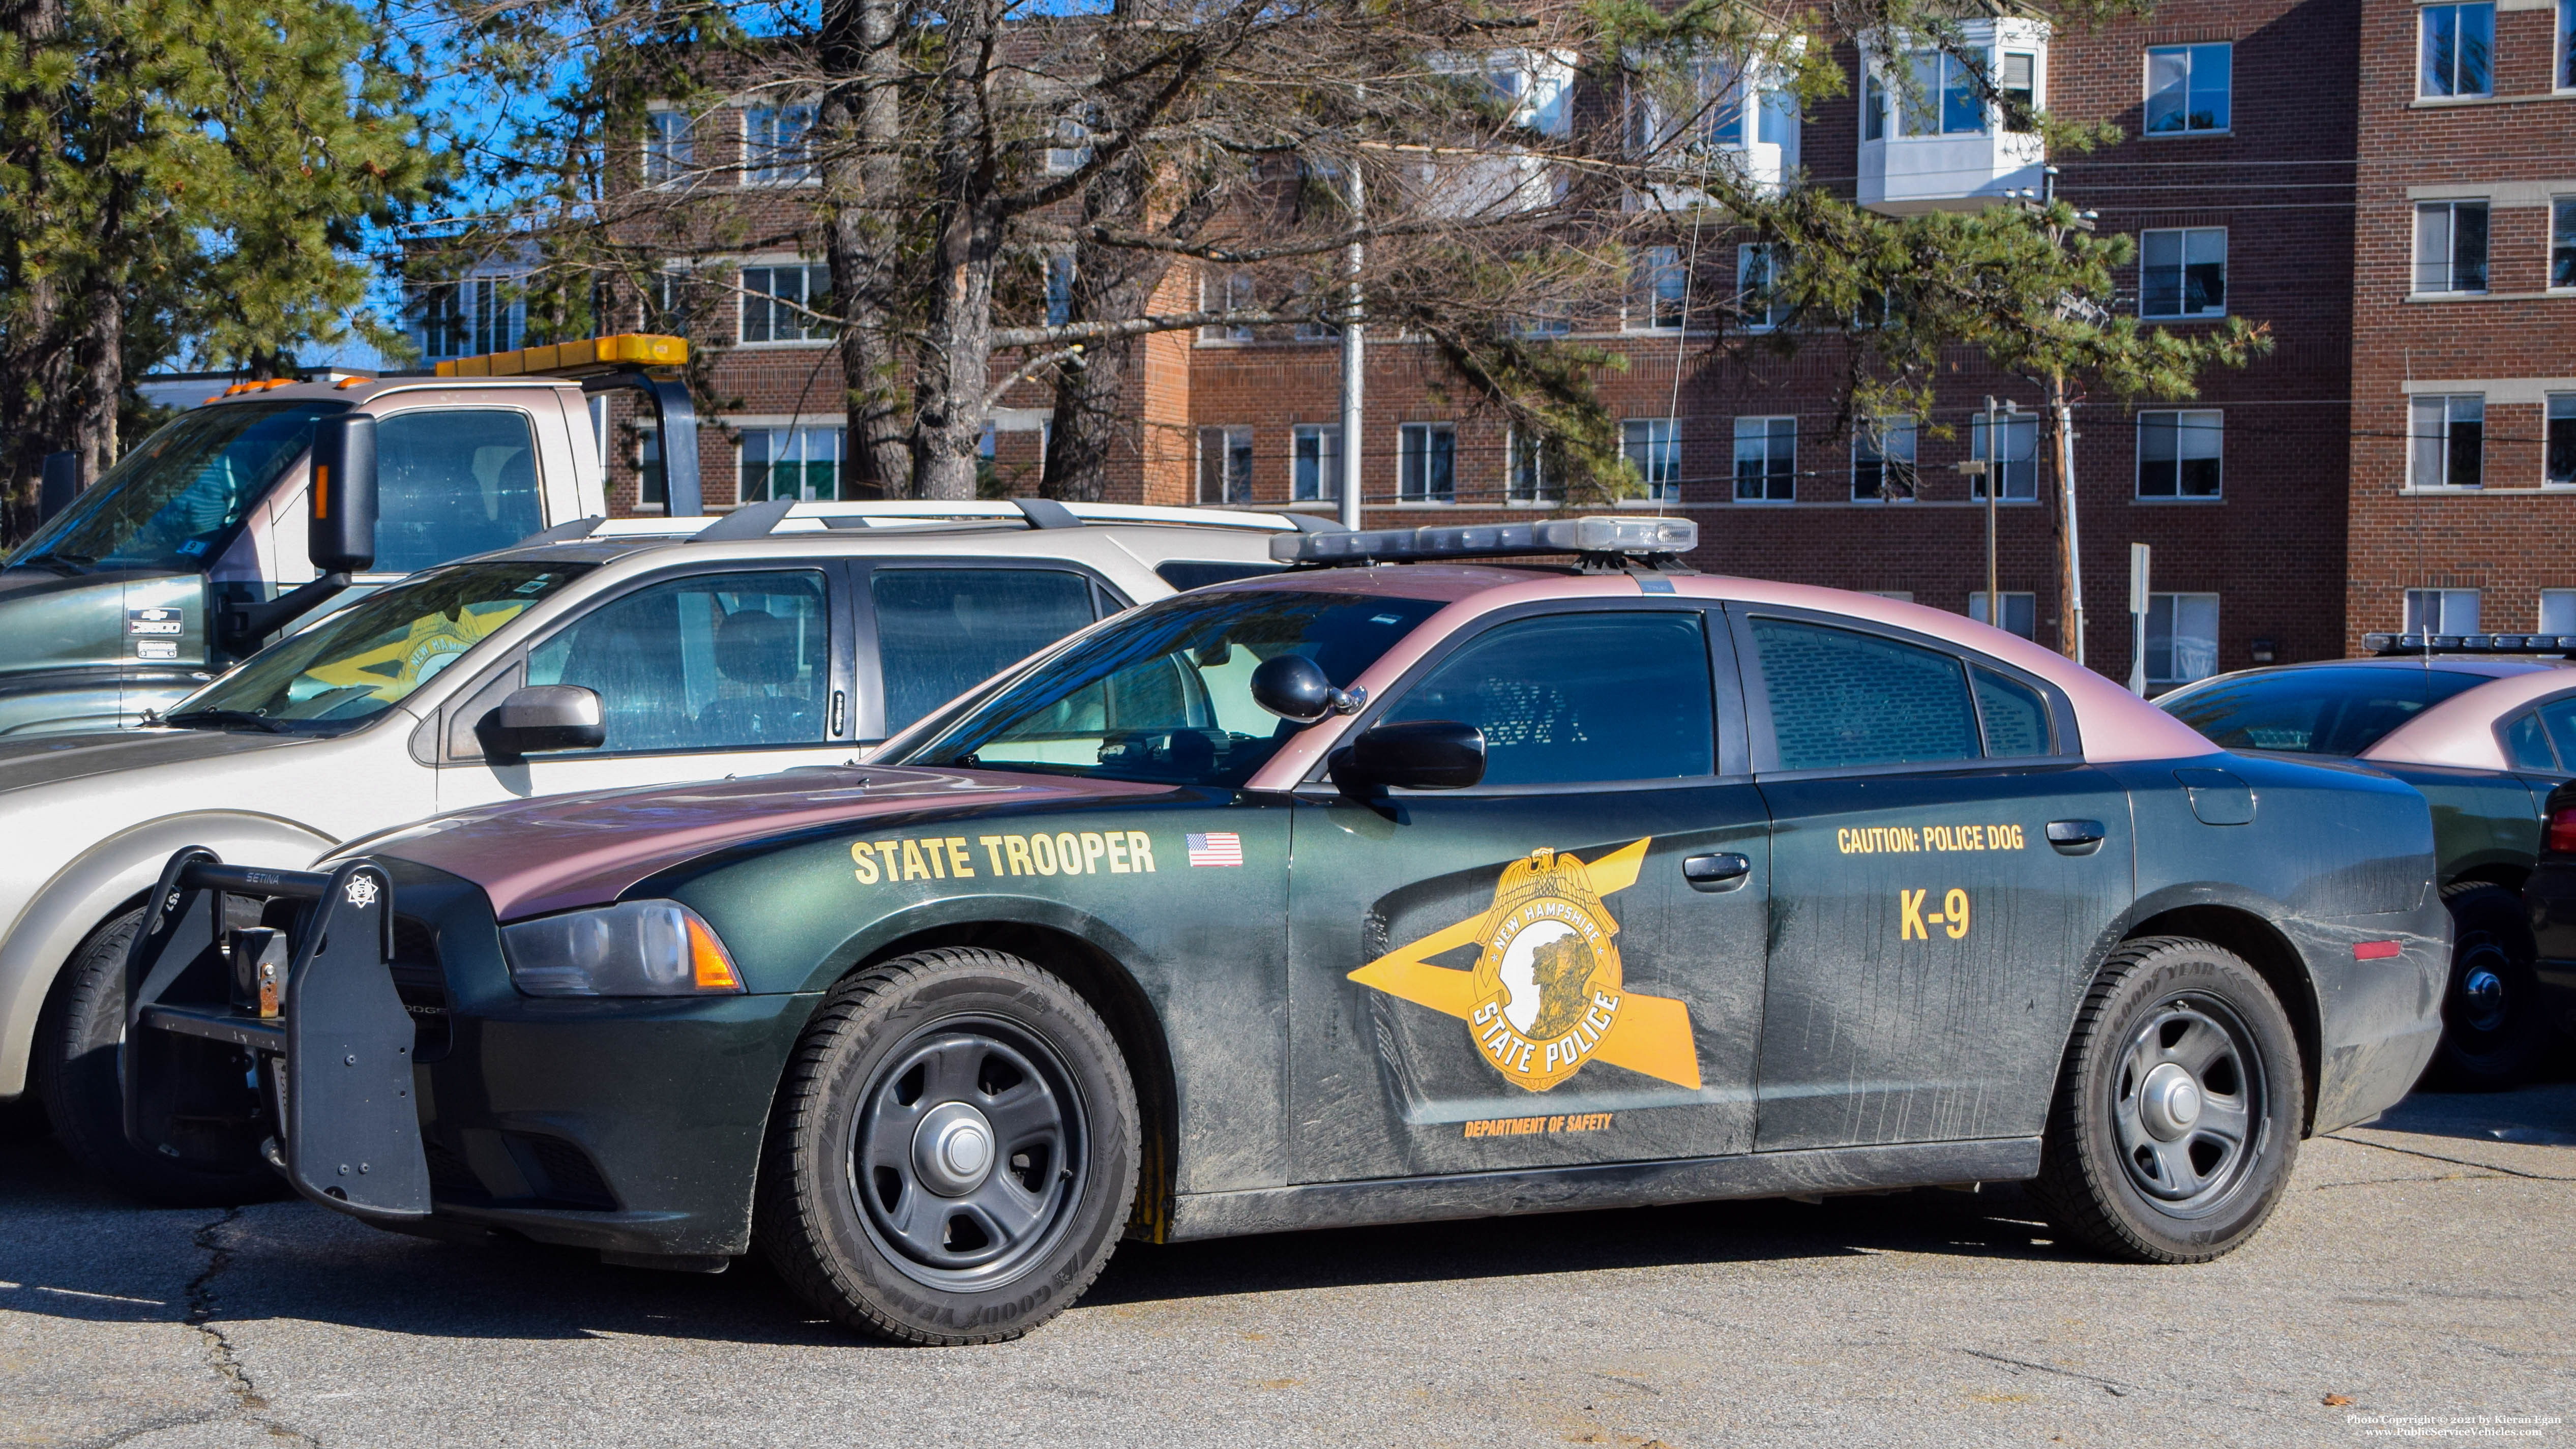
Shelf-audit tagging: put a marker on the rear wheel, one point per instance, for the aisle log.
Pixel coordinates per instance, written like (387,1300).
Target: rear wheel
(78,1037)
(2178,1108)
(953,1152)
(2491,1023)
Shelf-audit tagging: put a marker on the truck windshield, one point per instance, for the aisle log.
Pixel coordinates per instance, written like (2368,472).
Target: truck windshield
(2327,711)
(1165,693)
(370,656)
(167,504)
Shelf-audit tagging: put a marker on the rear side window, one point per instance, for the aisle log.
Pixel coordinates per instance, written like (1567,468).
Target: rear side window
(452,482)
(1187,574)
(1581,697)
(2013,715)
(1841,700)
(2326,711)
(2559,716)
(2526,744)
(942,631)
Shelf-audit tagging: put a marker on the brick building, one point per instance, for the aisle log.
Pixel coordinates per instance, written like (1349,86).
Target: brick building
(2244,121)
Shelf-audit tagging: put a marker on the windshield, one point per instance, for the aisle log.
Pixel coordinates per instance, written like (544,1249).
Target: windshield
(1165,693)
(368,657)
(167,504)
(2314,711)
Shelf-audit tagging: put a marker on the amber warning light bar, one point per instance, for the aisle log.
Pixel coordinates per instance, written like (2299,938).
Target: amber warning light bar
(1615,540)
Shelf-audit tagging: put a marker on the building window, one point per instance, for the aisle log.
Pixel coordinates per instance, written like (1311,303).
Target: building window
(1757,285)
(2178,454)
(1316,463)
(2019,85)
(469,316)
(2447,439)
(1537,470)
(1225,292)
(2182,638)
(2562,235)
(1059,288)
(2567,45)
(1766,460)
(1883,460)
(2558,611)
(1225,465)
(674,303)
(2561,446)
(670,151)
(1944,100)
(652,486)
(790,463)
(2183,272)
(1659,288)
(1426,463)
(1653,446)
(2187,88)
(2017,469)
(2441,611)
(1072,148)
(2451,246)
(2457,50)
(777,145)
(2021,612)
(779,303)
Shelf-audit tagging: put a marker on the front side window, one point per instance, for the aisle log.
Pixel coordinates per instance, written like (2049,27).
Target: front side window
(1580,698)
(2020,612)
(2442,611)
(670,153)
(2178,453)
(723,661)
(1426,466)
(2182,272)
(2330,710)
(2562,237)
(2182,637)
(1883,460)
(779,304)
(365,659)
(1841,699)
(1766,460)
(2456,50)
(452,482)
(1225,465)
(1653,447)
(2447,439)
(940,631)
(1537,470)
(1315,462)
(168,503)
(2015,468)
(2187,88)
(778,145)
(2451,246)
(1163,693)
(2559,452)
(802,463)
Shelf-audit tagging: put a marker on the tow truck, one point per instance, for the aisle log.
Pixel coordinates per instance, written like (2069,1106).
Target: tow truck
(183,558)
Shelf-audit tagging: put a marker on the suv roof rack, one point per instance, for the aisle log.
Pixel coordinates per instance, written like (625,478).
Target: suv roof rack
(2396,645)
(1596,542)
(782,516)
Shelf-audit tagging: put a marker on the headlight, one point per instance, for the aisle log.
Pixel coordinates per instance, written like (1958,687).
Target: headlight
(637,948)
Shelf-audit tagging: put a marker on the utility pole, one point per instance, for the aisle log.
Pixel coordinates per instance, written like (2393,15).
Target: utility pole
(1354,358)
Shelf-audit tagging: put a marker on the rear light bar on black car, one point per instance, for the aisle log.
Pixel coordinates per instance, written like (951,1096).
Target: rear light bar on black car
(2470,643)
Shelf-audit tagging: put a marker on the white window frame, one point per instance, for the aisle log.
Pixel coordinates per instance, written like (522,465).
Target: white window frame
(1315,463)
(662,162)
(2020,465)
(800,441)
(2558,439)
(2566,600)
(2448,611)
(1069,148)
(2437,223)
(1533,472)
(2021,607)
(1234,444)
(2456,409)
(1879,443)
(2191,63)
(768,162)
(2172,604)
(2423,42)
(1895,103)
(2183,238)
(487,317)
(2185,425)
(2562,68)
(1659,290)
(1764,257)
(1413,454)
(1225,292)
(2562,233)
(815,273)
(1765,435)
(1653,446)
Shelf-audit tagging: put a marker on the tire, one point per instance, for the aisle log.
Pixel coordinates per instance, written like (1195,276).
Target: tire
(871,1203)
(78,1037)
(2492,1028)
(2136,1163)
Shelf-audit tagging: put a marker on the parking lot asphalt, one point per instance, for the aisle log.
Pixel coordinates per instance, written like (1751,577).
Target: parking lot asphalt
(2420,1270)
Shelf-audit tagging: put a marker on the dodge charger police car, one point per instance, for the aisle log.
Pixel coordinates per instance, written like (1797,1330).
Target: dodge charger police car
(1393,887)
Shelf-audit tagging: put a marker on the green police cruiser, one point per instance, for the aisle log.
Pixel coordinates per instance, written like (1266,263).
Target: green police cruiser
(1392,887)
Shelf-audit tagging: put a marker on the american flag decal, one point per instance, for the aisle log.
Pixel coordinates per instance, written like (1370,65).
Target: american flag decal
(1217,847)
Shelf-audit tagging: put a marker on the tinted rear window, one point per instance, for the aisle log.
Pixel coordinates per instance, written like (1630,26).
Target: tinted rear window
(2314,711)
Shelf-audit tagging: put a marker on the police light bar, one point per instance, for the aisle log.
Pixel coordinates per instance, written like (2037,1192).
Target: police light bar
(1637,538)
(574,359)
(2397,644)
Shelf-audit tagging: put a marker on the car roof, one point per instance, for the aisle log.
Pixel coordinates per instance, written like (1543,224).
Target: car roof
(2461,730)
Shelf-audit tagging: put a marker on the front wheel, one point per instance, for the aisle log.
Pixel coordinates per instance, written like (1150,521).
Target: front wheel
(2177,1114)
(2491,1022)
(953,1151)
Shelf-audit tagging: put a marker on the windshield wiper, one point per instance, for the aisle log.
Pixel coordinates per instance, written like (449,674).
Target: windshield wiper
(57,563)
(219,718)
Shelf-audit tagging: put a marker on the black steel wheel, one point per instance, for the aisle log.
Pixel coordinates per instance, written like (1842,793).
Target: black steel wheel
(2178,1108)
(953,1152)
(2492,1029)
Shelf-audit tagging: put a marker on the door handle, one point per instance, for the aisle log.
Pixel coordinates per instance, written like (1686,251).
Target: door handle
(1723,872)
(2075,837)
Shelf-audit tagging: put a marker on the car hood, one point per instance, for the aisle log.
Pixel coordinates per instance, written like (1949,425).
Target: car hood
(52,759)
(562,852)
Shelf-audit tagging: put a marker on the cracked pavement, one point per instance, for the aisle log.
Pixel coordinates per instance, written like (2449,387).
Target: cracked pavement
(2421,1266)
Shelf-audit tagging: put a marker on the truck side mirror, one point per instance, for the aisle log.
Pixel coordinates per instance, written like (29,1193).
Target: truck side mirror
(343,529)
(543,717)
(62,484)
